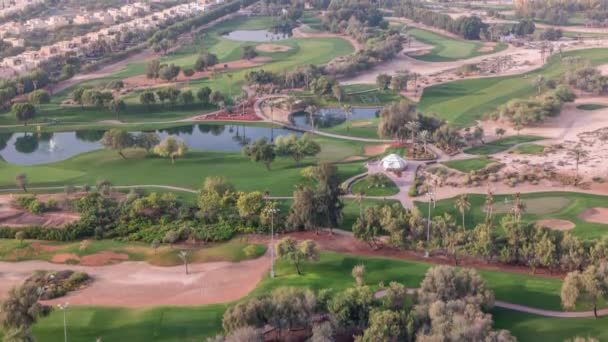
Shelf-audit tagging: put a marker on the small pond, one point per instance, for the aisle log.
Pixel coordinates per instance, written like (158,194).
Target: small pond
(42,148)
(329,117)
(255,36)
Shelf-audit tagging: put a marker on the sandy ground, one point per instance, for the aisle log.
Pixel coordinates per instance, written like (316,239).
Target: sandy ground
(141,81)
(556,224)
(13,217)
(272,48)
(595,215)
(138,284)
(574,127)
(373,150)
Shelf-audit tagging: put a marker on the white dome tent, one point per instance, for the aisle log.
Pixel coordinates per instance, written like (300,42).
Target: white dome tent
(393,162)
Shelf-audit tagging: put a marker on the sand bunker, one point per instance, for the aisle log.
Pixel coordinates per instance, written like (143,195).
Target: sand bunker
(595,215)
(272,48)
(487,47)
(375,149)
(556,224)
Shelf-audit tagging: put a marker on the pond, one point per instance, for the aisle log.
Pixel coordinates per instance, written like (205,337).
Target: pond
(255,36)
(42,148)
(329,117)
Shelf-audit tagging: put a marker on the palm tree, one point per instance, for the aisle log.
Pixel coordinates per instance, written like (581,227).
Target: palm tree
(463,204)
(183,255)
(538,82)
(489,205)
(348,112)
(413,126)
(518,207)
(360,200)
(424,136)
(578,153)
(312,111)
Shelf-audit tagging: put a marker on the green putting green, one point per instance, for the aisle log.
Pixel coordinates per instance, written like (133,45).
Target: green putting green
(464,101)
(450,49)
(529,149)
(467,165)
(502,144)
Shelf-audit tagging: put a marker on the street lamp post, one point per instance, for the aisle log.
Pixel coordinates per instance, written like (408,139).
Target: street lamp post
(272,211)
(64,307)
(430,195)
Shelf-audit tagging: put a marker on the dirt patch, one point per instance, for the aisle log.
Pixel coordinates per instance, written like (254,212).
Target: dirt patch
(361,123)
(40,247)
(487,47)
(373,150)
(272,48)
(595,215)
(352,158)
(62,258)
(556,224)
(16,217)
(103,258)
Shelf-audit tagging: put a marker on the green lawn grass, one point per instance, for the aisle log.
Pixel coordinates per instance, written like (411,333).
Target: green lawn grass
(364,186)
(544,205)
(467,165)
(447,48)
(529,149)
(502,144)
(464,101)
(189,171)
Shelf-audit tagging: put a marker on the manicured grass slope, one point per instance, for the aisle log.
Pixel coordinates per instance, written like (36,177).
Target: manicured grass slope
(189,171)
(364,186)
(447,48)
(463,102)
(332,271)
(466,165)
(502,144)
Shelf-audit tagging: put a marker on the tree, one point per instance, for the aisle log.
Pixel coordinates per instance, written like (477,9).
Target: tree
(337,91)
(289,250)
(445,283)
(155,244)
(589,285)
(329,194)
(538,82)
(39,96)
(147,140)
(518,206)
(369,226)
(399,82)
(297,147)
(205,61)
(172,148)
(20,310)
(261,151)
(20,236)
(250,204)
(248,52)
(24,112)
(184,255)
(188,72)
(394,119)
(358,273)
(579,154)
(187,97)
(153,69)
(499,131)
(383,81)
(351,307)
(171,237)
(463,204)
(216,97)
(21,181)
(117,139)
(147,98)
(385,325)
(203,94)
(116,106)
(169,72)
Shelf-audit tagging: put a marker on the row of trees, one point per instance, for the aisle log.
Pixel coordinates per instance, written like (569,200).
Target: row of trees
(119,140)
(467,27)
(175,96)
(523,243)
(298,148)
(448,306)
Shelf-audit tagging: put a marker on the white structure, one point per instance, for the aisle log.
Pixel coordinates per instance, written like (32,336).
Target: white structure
(393,162)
